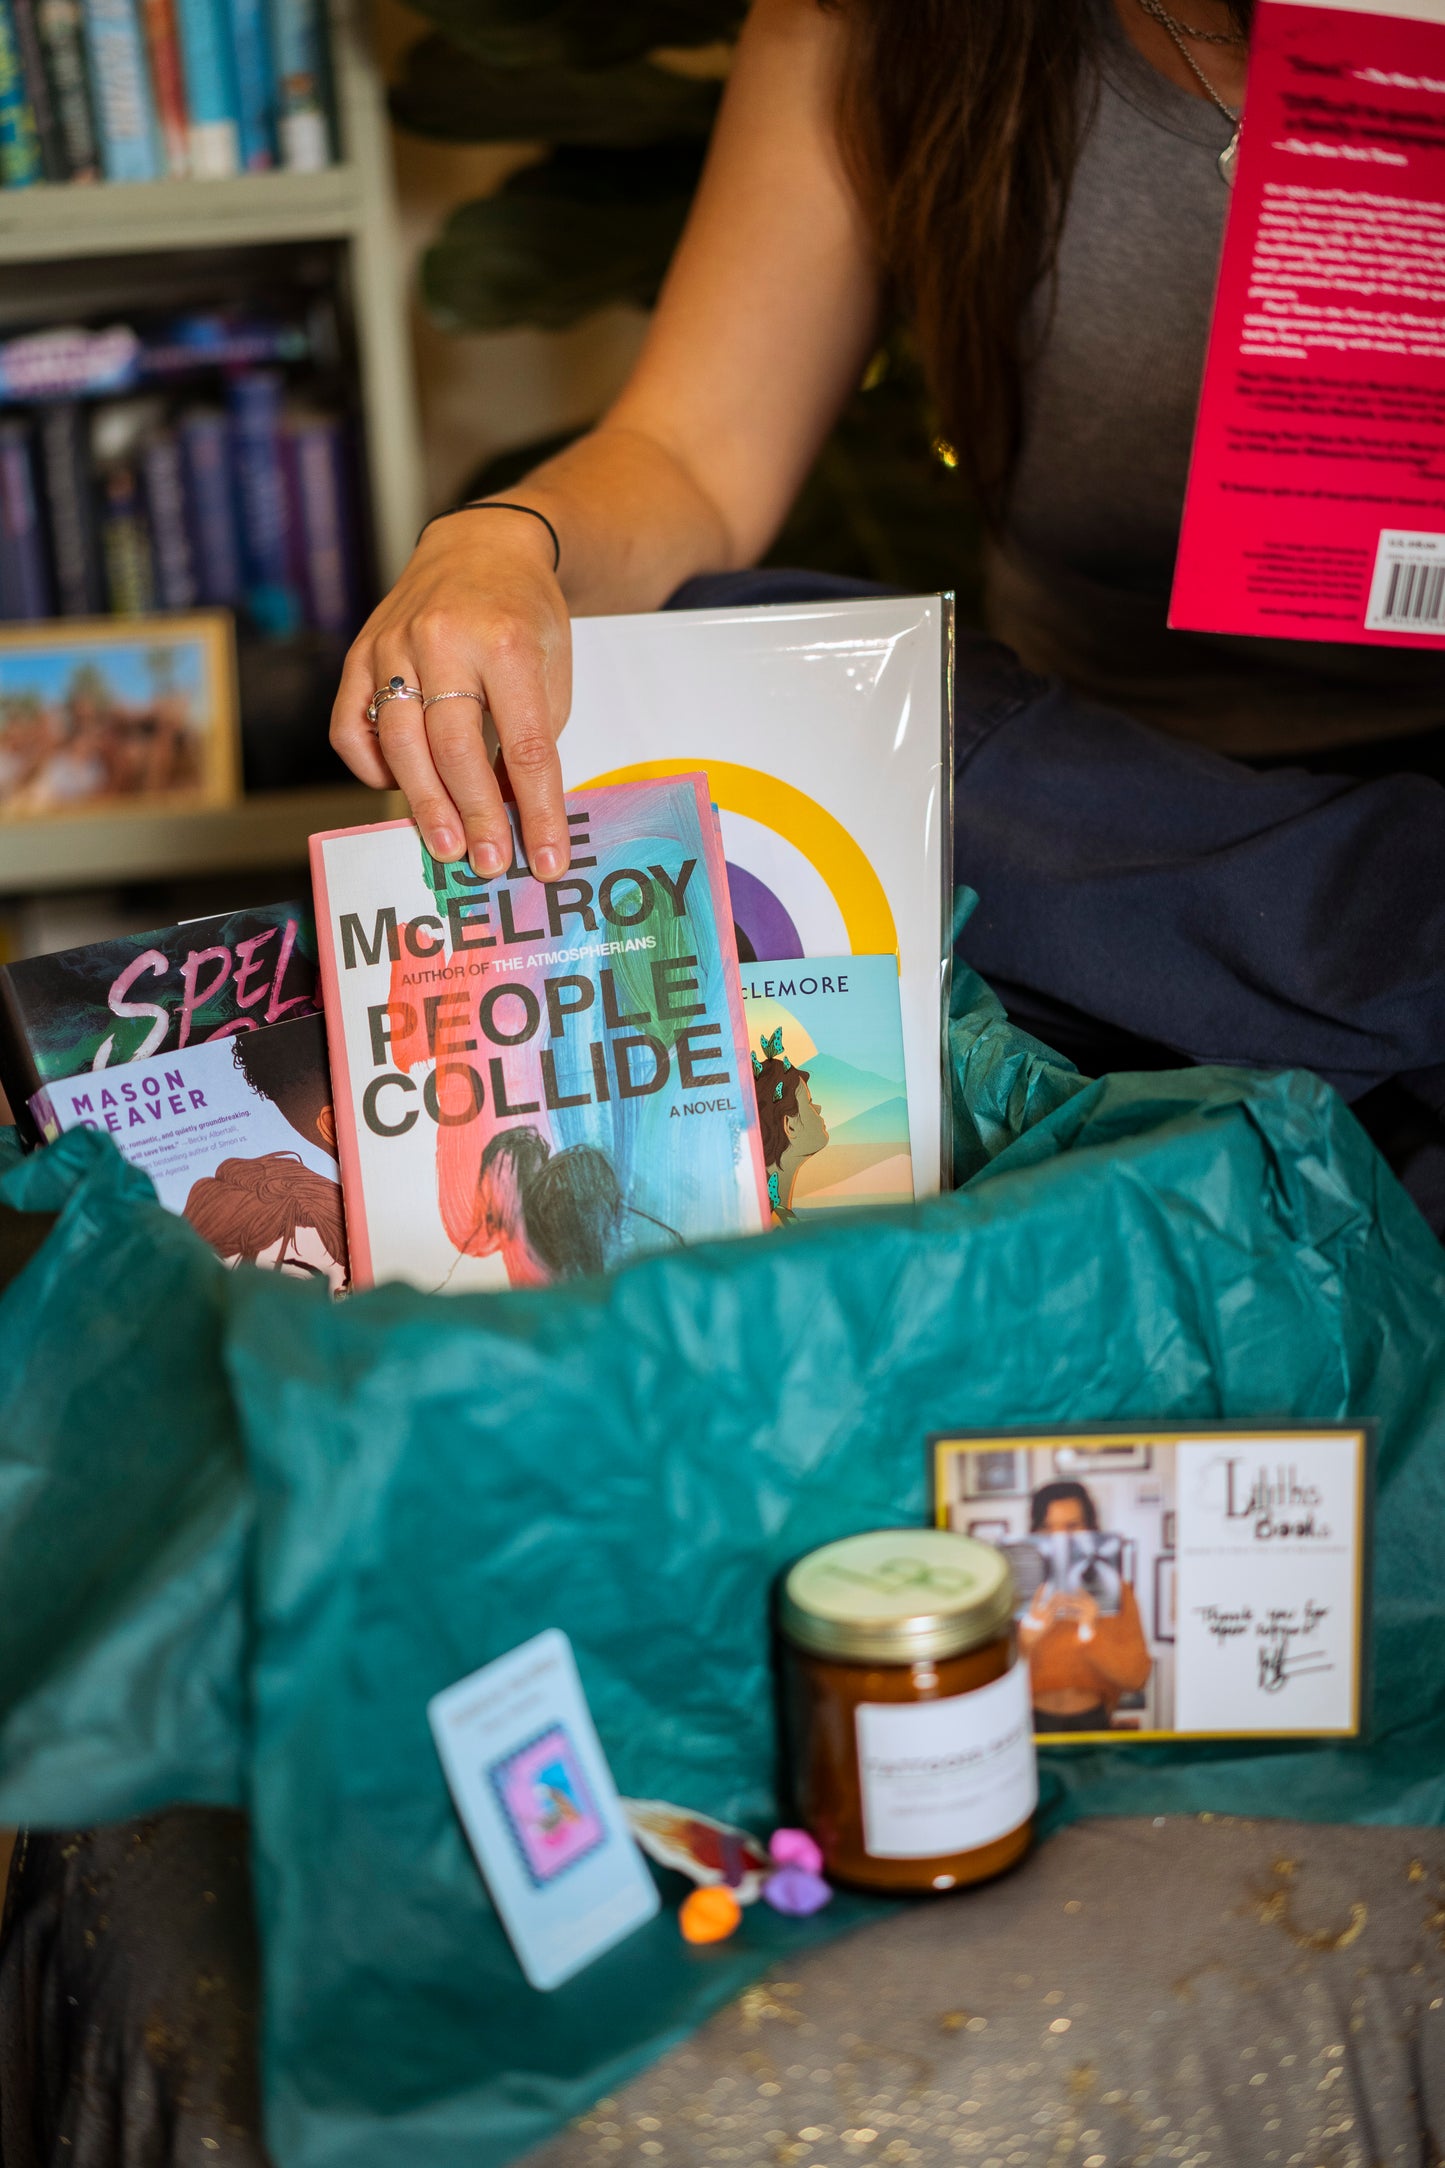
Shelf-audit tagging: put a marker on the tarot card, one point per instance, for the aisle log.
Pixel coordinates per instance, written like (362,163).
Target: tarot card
(531,1784)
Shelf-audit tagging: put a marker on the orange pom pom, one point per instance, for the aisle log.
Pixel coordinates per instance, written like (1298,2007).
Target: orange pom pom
(709,1915)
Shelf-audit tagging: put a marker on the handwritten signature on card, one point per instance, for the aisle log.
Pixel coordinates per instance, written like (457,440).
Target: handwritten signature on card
(1285,1637)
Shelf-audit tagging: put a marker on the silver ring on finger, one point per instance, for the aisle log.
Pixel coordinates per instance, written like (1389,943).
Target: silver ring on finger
(395,689)
(431,699)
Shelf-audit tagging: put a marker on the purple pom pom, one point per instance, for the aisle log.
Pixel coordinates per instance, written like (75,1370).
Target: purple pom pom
(796,1892)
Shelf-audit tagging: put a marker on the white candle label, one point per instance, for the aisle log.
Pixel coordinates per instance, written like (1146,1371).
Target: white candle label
(940,1777)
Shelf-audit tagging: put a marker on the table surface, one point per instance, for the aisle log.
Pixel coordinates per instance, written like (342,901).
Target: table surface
(1217,1993)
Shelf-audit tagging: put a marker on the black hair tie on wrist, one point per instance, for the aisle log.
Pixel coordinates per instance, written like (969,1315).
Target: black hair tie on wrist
(496,504)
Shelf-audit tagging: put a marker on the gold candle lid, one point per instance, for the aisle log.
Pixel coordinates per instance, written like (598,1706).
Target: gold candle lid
(898,1596)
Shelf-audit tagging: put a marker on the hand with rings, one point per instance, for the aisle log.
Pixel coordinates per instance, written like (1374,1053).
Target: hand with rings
(476,625)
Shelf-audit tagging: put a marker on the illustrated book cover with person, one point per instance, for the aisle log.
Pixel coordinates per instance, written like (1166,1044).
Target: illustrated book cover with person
(827,1056)
(143,994)
(237,1135)
(538,1081)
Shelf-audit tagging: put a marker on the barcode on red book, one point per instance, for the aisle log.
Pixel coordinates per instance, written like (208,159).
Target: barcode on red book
(1408,589)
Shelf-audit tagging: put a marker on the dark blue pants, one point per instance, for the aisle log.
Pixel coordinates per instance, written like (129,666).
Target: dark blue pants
(1143,901)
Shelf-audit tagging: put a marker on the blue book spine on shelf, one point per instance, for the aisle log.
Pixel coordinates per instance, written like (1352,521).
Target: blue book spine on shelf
(20,161)
(212,98)
(319,469)
(255,84)
(256,402)
(125,113)
(303,124)
(73,516)
(62,38)
(211,499)
(25,591)
(165,493)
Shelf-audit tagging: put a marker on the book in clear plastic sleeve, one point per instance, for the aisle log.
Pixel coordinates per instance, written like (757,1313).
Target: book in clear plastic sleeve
(535,1082)
(1316,499)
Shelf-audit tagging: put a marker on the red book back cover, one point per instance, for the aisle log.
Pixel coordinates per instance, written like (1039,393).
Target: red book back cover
(1316,501)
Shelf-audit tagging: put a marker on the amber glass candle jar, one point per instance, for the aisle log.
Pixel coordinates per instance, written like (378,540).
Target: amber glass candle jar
(907,1710)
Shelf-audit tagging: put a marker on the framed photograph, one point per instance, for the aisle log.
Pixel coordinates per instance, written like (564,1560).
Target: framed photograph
(990,1531)
(1221,1569)
(993,1475)
(1164,1598)
(110,715)
(1096,1458)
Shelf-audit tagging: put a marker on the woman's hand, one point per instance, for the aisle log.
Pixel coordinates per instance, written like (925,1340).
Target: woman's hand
(477,610)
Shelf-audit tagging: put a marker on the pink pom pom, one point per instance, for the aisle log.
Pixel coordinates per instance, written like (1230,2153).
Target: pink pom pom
(796,1892)
(795,1848)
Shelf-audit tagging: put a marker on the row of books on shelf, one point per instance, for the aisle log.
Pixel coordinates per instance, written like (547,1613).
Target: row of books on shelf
(523,1083)
(158,503)
(148,90)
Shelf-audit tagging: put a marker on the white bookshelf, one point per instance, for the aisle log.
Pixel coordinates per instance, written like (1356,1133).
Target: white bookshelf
(95,850)
(352,204)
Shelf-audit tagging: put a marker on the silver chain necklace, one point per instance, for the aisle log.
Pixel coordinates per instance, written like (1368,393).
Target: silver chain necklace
(1205,37)
(1177,32)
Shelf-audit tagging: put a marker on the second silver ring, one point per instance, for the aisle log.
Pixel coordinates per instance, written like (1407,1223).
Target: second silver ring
(431,699)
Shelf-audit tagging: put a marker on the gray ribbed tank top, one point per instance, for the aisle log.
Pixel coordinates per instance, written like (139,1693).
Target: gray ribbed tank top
(1079,581)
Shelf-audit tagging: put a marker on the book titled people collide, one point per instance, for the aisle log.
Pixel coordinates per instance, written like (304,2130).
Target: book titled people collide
(538,1081)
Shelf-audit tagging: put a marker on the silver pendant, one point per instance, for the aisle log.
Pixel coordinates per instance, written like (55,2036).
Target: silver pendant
(1229,159)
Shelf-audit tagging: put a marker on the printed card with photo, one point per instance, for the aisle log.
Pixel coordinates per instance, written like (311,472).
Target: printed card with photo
(1177,1584)
(535,1796)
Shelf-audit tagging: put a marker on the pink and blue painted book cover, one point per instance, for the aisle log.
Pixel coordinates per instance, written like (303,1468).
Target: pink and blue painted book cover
(538,1081)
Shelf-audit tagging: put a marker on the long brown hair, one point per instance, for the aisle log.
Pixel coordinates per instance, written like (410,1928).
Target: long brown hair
(248,1204)
(961,122)
(777,1084)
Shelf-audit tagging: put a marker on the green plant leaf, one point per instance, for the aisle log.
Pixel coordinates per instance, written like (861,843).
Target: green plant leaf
(573,233)
(450,94)
(579,33)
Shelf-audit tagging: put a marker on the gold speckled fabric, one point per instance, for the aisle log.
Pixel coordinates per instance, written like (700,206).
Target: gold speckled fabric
(1208,1994)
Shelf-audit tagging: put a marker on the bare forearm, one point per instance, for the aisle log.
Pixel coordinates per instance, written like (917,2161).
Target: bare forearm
(632,521)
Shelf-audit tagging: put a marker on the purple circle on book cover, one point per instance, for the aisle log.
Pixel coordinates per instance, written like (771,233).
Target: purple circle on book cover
(765,932)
